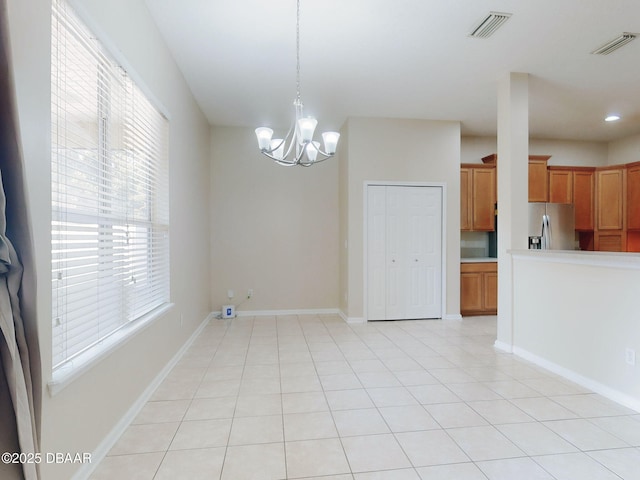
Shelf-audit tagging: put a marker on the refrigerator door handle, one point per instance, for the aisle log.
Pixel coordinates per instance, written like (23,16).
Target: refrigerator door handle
(546,233)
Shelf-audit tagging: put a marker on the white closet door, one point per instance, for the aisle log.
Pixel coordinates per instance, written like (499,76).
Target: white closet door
(377,263)
(404,252)
(396,253)
(424,252)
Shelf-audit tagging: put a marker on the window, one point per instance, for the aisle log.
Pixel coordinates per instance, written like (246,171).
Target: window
(110,212)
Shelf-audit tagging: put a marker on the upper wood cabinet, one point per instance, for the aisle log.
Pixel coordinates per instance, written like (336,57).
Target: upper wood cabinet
(477,197)
(611,192)
(538,180)
(538,177)
(466,195)
(610,234)
(633,196)
(560,185)
(583,197)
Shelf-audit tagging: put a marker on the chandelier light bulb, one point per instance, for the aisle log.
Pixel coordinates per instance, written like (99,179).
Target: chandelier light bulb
(312,151)
(307,126)
(264,135)
(277,148)
(330,142)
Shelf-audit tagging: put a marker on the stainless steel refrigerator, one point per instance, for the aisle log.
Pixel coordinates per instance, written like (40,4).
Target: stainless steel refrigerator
(552,226)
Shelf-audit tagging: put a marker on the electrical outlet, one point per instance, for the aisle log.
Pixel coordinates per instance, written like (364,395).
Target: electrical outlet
(630,356)
(250,293)
(230,294)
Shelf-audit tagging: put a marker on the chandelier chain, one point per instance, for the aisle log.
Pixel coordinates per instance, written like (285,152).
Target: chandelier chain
(298,51)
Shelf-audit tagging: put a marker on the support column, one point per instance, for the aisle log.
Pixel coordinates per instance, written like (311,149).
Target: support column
(513,172)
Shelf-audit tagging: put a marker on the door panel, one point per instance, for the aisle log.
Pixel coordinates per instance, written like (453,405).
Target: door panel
(396,253)
(377,264)
(425,212)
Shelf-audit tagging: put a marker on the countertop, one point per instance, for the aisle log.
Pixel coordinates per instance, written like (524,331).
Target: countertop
(624,260)
(479,260)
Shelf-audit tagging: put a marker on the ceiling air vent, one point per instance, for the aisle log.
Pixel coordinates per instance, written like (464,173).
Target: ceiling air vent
(489,24)
(615,44)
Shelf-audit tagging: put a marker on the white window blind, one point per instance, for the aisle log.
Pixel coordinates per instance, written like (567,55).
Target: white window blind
(110,212)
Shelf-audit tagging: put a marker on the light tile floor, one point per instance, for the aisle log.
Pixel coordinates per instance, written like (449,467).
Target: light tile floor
(296,397)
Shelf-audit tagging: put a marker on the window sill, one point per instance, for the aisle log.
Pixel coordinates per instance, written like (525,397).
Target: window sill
(67,373)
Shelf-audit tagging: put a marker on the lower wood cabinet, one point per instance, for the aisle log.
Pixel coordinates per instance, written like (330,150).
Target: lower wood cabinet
(479,288)
(611,240)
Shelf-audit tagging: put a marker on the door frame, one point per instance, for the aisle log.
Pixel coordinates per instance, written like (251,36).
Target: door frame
(365,237)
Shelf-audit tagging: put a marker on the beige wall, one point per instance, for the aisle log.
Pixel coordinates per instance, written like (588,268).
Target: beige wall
(625,150)
(274,228)
(401,151)
(82,415)
(343,182)
(563,152)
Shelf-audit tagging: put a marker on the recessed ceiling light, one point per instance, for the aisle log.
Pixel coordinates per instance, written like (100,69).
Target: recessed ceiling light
(612,118)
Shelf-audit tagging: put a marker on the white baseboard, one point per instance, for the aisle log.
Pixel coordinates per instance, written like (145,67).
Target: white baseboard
(588,383)
(352,320)
(110,440)
(263,313)
(505,347)
(452,316)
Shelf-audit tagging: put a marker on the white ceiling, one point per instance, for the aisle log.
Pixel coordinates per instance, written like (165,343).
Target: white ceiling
(408,59)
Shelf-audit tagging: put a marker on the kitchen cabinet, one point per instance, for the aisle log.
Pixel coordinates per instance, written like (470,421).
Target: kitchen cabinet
(560,185)
(538,179)
(479,288)
(610,191)
(466,197)
(611,241)
(477,197)
(610,234)
(574,185)
(633,196)
(583,198)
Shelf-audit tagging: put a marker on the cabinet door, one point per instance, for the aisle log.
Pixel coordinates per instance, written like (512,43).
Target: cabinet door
(484,187)
(491,292)
(611,241)
(538,187)
(610,195)
(633,197)
(560,186)
(471,295)
(466,197)
(583,199)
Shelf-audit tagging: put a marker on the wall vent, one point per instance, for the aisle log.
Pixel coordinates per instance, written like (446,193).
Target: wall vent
(490,24)
(615,44)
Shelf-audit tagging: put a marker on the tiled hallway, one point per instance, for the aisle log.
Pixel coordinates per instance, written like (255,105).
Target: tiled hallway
(311,397)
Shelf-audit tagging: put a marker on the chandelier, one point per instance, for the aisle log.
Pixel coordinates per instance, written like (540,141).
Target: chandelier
(298,146)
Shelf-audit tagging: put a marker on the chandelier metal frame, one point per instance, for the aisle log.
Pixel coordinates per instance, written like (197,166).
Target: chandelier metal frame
(299,139)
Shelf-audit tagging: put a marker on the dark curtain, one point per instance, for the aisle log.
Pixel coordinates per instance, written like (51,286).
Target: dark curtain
(20,374)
